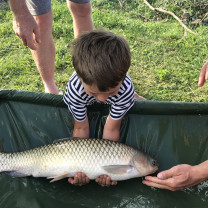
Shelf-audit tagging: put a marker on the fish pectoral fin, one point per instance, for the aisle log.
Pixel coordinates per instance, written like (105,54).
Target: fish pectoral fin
(118,169)
(58,177)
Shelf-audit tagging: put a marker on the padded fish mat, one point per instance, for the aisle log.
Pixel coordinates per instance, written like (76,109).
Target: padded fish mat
(172,132)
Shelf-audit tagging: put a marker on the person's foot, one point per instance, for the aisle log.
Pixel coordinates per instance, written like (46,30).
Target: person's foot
(138,97)
(61,92)
(50,87)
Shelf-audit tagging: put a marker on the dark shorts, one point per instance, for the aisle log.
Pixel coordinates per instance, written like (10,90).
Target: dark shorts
(38,7)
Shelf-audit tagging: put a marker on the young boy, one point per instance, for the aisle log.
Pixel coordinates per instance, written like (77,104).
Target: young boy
(101,60)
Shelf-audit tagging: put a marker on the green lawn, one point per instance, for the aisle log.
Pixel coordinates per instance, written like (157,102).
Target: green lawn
(161,69)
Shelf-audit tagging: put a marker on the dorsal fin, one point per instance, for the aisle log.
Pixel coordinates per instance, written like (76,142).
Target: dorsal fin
(63,139)
(66,139)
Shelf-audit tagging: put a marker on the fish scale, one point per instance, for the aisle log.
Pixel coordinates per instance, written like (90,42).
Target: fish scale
(64,158)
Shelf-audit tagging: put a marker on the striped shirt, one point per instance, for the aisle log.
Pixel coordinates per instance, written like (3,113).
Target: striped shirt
(77,99)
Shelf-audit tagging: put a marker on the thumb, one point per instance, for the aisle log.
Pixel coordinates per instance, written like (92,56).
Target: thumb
(166,174)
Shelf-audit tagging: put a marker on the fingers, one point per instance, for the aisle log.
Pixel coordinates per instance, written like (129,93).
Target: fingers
(155,180)
(158,185)
(164,177)
(30,43)
(28,32)
(105,180)
(203,76)
(79,179)
(37,35)
(28,40)
(167,174)
(169,179)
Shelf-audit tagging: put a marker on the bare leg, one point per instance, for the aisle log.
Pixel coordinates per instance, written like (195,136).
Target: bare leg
(82,17)
(44,56)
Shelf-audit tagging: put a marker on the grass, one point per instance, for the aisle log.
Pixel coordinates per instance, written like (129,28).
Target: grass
(164,66)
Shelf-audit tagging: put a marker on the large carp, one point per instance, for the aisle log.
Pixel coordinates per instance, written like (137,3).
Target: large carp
(64,158)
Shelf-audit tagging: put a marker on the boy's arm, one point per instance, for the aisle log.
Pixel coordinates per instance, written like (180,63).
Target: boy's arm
(112,132)
(112,129)
(81,129)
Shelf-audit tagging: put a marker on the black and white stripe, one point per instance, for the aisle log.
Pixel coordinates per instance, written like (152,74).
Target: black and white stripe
(77,99)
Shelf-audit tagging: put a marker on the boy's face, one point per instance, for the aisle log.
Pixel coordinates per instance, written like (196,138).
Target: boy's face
(92,90)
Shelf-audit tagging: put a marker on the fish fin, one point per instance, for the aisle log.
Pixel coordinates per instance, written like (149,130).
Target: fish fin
(58,177)
(61,140)
(118,169)
(16,174)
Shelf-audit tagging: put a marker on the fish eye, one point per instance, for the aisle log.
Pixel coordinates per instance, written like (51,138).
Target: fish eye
(154,163)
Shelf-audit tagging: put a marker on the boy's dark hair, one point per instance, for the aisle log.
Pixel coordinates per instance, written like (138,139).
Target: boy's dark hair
(101,58)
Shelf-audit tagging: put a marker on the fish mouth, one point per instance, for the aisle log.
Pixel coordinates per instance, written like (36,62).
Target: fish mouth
(153,171)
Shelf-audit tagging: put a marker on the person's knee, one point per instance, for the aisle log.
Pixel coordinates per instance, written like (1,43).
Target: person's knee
(80,10)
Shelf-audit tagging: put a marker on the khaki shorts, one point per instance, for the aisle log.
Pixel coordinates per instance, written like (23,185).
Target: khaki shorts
(38,7)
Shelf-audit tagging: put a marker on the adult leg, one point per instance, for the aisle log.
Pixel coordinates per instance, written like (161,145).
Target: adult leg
(44,56)
(82,17)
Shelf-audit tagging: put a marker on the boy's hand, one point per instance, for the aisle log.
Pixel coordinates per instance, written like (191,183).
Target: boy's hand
(105,180)
(79,179)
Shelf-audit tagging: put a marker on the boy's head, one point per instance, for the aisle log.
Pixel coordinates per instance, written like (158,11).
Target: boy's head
(101,58)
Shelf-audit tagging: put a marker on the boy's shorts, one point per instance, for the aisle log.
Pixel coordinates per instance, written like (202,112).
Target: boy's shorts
(38,7)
